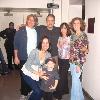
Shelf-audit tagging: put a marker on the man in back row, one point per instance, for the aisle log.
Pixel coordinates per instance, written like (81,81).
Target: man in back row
(52,32)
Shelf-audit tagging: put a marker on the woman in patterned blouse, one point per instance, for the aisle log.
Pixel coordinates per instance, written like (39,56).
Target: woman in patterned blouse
(78,51)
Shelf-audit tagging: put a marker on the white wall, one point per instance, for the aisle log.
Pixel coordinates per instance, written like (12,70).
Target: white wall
(24,3)
(74,11)
(66,12)
(61,13)
(57,13)
(91,73)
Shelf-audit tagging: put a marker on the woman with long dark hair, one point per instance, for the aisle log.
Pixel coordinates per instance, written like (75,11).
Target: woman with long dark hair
(63,60)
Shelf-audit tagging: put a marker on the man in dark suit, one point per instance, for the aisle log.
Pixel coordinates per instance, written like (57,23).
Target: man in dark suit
(24,42)
(9,34)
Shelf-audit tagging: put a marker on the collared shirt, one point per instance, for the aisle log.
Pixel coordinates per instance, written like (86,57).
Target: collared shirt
(31,39)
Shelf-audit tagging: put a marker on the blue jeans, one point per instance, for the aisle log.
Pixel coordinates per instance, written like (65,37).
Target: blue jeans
(76,90)
(37,92)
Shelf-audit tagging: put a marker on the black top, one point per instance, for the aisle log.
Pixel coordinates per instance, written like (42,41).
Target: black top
(53,35)
(8,34)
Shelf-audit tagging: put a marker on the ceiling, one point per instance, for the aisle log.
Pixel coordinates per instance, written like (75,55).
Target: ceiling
(38,10)
(75,2)
(24,9)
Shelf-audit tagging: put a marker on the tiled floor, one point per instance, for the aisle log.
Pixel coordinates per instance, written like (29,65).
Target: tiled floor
(10,87)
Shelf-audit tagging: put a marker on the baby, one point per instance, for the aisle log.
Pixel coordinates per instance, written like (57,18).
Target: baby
(49,85)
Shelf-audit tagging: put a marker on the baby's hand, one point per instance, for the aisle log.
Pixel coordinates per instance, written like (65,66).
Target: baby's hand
(45,77)
(52,87)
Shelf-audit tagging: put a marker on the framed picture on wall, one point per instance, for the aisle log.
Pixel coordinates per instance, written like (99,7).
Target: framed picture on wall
(91,22)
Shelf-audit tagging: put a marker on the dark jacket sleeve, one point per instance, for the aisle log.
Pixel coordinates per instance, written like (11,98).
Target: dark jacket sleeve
(16,40)
(1,55)
(3,34)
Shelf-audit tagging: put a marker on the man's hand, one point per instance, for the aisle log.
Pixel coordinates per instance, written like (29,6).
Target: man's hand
(16,60)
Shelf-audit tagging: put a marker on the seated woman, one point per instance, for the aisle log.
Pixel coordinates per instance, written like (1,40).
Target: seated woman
(31,72)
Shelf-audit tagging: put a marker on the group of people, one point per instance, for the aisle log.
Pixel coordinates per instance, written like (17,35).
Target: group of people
(45,54)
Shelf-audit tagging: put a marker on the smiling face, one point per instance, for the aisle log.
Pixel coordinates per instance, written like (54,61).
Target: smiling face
(77,25)
(50,65)
(50,22)
(45,44)
(64,30)
(30,22)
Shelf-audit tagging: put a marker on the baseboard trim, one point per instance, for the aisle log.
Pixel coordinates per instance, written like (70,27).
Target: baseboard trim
(87,94)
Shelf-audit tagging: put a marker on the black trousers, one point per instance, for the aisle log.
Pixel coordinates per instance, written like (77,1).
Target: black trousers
(47,96)
(10,53)
(10,56)
(25,89)
(62,87)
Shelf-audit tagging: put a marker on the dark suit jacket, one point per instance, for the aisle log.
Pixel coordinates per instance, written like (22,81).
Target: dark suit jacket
(20,43)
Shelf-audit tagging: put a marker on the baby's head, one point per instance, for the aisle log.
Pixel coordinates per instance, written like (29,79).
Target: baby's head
(50,62)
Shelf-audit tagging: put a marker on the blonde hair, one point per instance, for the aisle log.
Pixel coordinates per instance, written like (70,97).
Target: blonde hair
(34,17)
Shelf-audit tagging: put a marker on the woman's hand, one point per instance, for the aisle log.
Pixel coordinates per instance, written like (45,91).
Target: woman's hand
(84,49)
(78,69)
